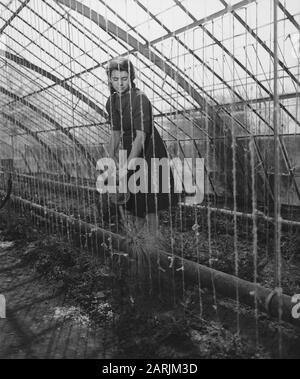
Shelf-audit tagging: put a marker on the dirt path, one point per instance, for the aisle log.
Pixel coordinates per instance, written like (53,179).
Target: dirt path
(39,323)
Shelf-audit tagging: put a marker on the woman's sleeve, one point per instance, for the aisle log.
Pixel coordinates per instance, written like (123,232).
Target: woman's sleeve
(142,114)
(113,118)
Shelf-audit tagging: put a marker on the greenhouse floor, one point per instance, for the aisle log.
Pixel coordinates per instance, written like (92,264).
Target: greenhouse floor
(63,302)
(39,323)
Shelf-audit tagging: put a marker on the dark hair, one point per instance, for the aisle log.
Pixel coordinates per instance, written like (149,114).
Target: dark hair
(120,64)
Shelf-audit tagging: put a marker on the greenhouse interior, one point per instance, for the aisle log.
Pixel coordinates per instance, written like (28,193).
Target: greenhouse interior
(86,272)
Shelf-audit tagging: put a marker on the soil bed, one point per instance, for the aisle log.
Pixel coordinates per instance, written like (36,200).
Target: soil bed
(103,294)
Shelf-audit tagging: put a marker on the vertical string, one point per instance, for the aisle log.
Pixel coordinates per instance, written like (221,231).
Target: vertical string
(277,197)
(234,176)
(196,221)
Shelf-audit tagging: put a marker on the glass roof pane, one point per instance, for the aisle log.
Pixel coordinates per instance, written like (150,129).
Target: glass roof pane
(156,6)
(72,47)
(150,30)
(174,18)
(203,9)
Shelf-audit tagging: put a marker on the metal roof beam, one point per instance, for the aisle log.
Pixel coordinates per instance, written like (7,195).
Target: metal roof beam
(286,96)
(14,15)
(289,15)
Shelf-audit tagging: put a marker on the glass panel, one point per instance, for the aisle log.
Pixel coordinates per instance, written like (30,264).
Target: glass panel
(204,8)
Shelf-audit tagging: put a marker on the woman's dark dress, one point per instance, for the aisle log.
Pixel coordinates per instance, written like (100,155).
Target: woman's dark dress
(128,113)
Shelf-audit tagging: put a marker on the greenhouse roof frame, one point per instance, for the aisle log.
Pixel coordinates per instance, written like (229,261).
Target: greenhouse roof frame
(42,143)
(86,81)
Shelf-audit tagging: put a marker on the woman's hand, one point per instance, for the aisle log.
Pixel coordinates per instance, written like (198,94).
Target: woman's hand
(114,143)
(137,148)
(121,173)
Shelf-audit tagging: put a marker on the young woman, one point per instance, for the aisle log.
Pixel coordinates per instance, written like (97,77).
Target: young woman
(131,119)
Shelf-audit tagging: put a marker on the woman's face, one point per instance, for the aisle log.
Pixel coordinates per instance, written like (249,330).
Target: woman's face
(120,81)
